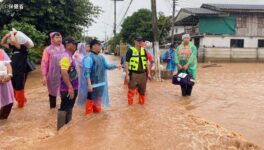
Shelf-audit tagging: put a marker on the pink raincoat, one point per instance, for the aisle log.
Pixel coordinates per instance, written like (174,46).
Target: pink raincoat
(50,66)
(6,89)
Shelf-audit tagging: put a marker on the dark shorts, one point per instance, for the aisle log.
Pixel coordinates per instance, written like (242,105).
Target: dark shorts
(138,81)
(66,103)
(18,81)
(97,93)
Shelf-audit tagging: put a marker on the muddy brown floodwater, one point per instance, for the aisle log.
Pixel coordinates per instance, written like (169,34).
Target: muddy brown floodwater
(226,111)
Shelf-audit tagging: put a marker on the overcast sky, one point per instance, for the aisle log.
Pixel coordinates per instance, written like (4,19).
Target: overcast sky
(104,24)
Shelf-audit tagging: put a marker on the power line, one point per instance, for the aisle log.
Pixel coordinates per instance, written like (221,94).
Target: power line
(122,10)
(170,5)
(123,18)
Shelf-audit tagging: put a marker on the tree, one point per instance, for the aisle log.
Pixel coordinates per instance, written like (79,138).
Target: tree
(137,24)
(140,23)
(164,25)
(65,16)
(114,42)
(30,30)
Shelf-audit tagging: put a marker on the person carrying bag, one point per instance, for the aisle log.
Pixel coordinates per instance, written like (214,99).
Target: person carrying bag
(186,60)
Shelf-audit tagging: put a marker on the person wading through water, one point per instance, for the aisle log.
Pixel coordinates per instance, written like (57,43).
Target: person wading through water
(6,88)
(136,71)
(18,43)
(69,83)
(94,76)
(186,60)
(50,67)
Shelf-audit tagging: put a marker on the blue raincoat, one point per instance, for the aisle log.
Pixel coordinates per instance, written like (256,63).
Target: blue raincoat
(171,64)
(95,68)
(78,58)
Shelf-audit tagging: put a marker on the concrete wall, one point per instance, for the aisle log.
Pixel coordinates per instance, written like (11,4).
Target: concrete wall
(224,41)
(180,30)
(231,54)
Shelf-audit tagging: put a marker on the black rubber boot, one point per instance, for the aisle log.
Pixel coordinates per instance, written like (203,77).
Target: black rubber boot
(68,116)
(184,90)
(189,90)
(61,119)
(52,100)
(5,111)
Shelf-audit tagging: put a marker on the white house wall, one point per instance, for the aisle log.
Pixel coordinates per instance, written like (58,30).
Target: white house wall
(178,30)
(224,41)
(221,50)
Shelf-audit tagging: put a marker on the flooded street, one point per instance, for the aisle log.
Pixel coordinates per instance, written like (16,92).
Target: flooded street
(226,111)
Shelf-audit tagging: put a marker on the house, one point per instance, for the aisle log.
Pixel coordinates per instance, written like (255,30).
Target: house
(232,32)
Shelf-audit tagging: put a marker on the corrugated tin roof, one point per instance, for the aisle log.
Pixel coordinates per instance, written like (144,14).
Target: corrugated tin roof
(200,11)
(217,10)
(234,7)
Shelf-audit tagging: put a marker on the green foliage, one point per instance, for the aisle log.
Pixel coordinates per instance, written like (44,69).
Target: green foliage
(114,41)
(65,16)
(40,17)
(164,25)
(140,23)
(137,24)
(30,30)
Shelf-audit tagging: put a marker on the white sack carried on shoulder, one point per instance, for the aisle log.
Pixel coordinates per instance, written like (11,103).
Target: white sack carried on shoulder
(23,39)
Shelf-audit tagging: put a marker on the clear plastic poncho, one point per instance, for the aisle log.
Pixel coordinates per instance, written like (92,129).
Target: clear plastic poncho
(6,89)
(78,59)
(95,68)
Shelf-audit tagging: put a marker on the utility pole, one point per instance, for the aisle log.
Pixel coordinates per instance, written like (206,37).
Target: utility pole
(85,31)
(115,16)
(115,21)
(105,36)
(156,39)
(172,21)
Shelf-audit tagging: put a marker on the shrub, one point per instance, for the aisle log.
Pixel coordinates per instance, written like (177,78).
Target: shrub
(37,37)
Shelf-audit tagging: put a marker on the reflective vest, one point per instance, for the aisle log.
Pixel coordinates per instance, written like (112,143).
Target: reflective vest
(185,52)
(134,60)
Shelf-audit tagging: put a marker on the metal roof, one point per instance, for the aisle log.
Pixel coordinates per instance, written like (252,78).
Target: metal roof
(215,10)
(234,7)
(200,11)
(186,12)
